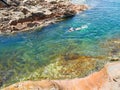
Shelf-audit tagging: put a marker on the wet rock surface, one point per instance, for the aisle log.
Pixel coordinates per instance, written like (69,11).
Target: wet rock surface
(68,65)
(113,48)
(106,79)
(72,65)
(24,15)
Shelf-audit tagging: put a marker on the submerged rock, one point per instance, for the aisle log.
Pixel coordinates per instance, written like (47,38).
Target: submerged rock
(70,66)
(113,49)
(106,79)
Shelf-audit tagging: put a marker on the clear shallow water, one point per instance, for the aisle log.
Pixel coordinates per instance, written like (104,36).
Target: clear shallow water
(22,53)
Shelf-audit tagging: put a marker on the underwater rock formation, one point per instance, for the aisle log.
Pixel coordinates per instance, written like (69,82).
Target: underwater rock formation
(106,79)
(112,46)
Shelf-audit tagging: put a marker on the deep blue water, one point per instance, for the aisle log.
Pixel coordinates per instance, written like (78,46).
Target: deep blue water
(32,49)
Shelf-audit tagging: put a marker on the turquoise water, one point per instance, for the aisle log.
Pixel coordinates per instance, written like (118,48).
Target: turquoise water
(24,52)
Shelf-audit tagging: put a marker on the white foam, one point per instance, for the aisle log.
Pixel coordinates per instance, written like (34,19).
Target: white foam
(85,26)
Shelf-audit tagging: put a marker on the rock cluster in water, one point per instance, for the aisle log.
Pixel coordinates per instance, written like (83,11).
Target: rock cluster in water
(72,66)
(24,15)
(106,79)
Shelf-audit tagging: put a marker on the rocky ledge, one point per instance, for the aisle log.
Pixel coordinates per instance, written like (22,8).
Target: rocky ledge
(106,79)
(22,15)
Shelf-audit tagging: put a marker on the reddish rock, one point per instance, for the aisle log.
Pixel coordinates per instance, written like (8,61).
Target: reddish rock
(106,79)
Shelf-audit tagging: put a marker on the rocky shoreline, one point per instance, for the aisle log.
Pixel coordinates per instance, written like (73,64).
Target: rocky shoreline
(106,79)
(24,15)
